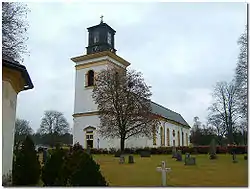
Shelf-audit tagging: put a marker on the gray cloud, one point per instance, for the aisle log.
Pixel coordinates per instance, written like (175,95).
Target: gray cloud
(182,49)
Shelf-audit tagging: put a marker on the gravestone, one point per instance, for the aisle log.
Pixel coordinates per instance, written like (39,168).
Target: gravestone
(179,156)
(189,160)
(45,155)
(174,153)
(131,159)
(145,153)
(212,150)
(122,159)
(163,171)
(234,158)
(245,157)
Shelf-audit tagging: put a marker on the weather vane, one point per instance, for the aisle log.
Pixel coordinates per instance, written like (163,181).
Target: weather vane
(101,19)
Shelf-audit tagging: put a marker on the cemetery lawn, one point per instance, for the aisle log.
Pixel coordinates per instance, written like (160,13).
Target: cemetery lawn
(220,172)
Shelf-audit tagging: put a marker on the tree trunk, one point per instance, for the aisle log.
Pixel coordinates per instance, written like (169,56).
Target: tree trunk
(122,144)
(230,135)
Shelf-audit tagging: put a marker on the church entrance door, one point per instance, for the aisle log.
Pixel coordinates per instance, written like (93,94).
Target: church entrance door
(90,143)
(89,139)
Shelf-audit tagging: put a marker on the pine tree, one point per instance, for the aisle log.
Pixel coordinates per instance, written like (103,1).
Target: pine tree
(26,167)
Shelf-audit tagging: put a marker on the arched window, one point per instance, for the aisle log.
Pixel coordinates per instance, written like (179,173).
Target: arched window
(162,136)
(168,137)
(154,135)
(90,78)
(182,138)
(173,133)
(186,139)
(179,139)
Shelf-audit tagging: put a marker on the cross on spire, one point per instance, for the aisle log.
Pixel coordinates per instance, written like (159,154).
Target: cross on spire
(101,19)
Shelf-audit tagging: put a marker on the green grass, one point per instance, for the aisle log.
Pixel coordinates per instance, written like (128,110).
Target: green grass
(220,172)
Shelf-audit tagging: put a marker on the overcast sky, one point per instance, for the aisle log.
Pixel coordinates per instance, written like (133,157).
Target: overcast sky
(182,49)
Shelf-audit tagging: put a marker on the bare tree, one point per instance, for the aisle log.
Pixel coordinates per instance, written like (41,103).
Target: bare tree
(54,122)
(224,110)
(123,100)
(241,75)
(214,120)
(14,28)
(22,127)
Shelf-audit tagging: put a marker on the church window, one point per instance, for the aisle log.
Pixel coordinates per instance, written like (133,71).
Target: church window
(178,135)
(173,133)
(182,138)
(162,136)
(168,137)
(90,78)
(154,135)
(109,38)
(186,139)
(96,37)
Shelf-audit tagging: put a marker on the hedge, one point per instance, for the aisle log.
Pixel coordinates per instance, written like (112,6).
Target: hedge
(168,150)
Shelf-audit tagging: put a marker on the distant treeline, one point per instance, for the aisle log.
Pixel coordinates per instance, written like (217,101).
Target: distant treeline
(47,139)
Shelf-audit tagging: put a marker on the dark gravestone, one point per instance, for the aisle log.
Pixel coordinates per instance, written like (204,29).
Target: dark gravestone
(131,159)
(174,153)
(145,153)
(45,156)
(189,160)
(122,159)
(234,158)
(179,156)
(212,150)
(245,157)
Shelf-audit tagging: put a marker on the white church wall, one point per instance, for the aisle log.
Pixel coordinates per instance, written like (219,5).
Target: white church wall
(80,123)
(9,97)
(83,95)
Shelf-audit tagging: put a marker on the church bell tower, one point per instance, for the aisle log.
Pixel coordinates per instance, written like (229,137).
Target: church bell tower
(101,54)
(101,38)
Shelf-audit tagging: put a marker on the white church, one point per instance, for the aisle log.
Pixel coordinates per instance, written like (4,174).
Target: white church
(173,129)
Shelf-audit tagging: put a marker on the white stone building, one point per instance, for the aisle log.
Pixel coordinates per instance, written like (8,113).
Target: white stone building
(173,131)
(15,79)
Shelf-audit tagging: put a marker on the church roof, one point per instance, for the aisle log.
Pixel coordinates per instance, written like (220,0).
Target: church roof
(168,114)
(12,64)
(102,24)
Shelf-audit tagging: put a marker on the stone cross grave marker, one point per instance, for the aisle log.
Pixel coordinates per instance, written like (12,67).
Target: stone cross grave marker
(163,169)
